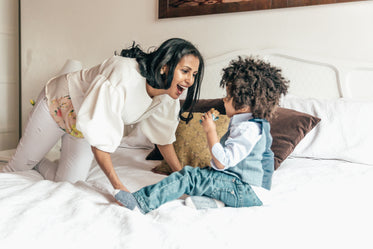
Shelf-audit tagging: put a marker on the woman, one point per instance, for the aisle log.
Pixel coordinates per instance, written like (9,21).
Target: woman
(88,109)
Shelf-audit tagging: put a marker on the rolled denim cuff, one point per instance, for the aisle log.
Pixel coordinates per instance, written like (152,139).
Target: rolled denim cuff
(141,202)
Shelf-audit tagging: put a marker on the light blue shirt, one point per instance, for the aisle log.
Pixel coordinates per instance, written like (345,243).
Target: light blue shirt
(242,139)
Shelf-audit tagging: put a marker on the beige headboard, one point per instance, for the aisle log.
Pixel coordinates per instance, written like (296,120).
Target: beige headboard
(309,75)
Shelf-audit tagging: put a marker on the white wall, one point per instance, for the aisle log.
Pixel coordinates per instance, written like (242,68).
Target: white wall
(90,31)
(9,74)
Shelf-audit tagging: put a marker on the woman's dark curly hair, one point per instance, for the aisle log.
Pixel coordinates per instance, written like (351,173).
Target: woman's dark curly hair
(168,53)
(255,83)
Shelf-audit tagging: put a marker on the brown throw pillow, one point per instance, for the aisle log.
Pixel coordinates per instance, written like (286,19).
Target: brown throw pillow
(191,145)
(288,128)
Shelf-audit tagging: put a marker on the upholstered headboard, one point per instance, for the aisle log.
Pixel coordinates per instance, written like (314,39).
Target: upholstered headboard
(309,75)
(339,92)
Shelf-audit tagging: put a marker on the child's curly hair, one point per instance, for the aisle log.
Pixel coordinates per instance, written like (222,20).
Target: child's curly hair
(255,83)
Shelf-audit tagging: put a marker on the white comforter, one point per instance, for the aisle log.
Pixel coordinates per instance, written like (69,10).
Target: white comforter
(312,204)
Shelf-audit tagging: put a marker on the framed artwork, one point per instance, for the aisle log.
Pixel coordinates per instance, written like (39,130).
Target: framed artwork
(179,8)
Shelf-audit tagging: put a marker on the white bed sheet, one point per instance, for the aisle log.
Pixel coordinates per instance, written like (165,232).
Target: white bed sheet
(312,204)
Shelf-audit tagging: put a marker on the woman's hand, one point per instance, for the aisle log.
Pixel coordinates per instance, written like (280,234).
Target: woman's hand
(104,160)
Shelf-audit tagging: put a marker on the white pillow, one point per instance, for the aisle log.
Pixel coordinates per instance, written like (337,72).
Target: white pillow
(345,131)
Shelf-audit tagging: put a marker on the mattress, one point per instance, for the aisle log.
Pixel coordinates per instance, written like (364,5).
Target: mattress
(312,204)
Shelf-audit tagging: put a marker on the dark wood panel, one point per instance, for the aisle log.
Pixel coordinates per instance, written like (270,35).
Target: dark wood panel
(179,8)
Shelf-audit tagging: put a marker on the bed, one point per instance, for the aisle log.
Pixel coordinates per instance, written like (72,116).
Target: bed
(321,194)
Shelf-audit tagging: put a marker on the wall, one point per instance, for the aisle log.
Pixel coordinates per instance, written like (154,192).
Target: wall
(9,61)
(90,31)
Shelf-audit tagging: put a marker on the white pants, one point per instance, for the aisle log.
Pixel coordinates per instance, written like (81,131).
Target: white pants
(40,135)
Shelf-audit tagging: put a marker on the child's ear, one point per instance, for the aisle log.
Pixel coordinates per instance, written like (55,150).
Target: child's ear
(245,109)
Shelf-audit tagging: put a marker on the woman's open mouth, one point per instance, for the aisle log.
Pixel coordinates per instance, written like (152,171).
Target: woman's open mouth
(180,89)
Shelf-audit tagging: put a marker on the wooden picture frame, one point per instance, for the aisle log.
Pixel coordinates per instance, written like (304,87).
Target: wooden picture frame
(180,8)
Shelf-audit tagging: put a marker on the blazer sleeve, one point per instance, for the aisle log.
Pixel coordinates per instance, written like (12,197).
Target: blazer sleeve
(100,115)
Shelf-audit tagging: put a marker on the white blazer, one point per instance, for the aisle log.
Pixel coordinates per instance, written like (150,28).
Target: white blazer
(111,95)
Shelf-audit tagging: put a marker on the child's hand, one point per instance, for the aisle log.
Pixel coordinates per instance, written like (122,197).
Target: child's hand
(208,123)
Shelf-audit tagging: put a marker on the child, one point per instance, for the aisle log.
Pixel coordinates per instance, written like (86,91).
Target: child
(242,159)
